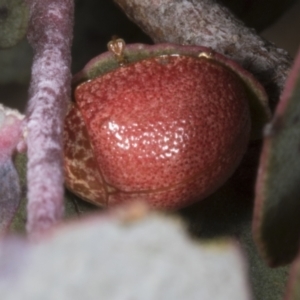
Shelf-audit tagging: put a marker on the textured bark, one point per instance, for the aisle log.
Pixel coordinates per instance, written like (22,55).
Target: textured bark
(206,23)
(50,34)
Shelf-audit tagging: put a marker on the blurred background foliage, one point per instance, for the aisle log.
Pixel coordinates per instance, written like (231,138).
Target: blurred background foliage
(258,14)
(13,22)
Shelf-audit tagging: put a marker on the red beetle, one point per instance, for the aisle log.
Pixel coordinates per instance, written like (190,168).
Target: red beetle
(165,124)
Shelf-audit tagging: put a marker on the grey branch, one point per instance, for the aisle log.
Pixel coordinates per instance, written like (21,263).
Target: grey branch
(207,23)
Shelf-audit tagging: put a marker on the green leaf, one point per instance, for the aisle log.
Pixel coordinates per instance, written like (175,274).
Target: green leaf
(228,212)
(277,205)
(14,17)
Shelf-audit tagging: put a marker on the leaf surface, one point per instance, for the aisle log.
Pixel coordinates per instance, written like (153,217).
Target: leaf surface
(276,223)
(113,257)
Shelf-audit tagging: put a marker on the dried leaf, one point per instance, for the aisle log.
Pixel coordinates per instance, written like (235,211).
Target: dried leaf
(276,222)
(14,17)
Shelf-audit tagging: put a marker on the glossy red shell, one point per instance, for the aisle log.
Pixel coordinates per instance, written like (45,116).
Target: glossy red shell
(167,130)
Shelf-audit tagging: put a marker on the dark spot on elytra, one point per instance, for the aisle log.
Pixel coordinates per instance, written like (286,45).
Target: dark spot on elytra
(4,12)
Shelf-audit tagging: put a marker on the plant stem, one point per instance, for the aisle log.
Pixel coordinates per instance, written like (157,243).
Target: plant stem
(50,34)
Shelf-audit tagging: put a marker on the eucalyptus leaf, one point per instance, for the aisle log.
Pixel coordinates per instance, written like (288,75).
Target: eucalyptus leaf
(14,18)
(277,204)
(228,212)
(113,257)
